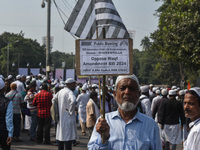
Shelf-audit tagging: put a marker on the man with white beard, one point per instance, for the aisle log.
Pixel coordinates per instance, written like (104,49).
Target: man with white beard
(126,128)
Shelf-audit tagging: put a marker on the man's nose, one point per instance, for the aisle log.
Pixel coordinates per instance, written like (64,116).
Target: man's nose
(127,90)
(185,105)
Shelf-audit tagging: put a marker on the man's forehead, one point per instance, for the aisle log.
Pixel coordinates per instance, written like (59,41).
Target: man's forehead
(190,97)
(127,81)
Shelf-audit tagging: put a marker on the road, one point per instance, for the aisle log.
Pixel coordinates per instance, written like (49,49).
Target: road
(31,145)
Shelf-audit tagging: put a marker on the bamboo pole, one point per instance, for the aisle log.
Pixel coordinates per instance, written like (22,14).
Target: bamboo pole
(104,88)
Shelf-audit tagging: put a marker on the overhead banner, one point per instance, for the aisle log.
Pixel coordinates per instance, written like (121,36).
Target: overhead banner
(35,71)
(70,73)
(59,74)
(23,71)
(103,57)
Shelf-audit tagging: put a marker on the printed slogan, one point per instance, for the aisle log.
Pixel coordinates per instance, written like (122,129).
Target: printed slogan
(110,56)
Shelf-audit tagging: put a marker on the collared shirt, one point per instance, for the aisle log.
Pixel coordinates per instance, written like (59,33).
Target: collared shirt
(9,119)
(91,109)
(153,106)
(17,99)
(140,133)
(146,105)
(82,100)
(193,139)
(29,99)
(172,112)
(43,102)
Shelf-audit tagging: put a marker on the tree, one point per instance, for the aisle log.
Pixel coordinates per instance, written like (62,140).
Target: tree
(21,52)
(178,36)
(59,57)
(145,43)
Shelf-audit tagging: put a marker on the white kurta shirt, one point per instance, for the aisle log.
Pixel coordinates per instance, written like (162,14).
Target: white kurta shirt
(20,86)
(154,101)
(66,127)
(146,105)
(82,101)
(193,139)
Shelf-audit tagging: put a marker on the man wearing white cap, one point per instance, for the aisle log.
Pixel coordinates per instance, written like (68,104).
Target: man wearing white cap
(66,127)
(6,119)
(150,89)
(1,77)
(192,111)
(20,86)
(153,94)
(181,95)
(10,77)
(157,109)
(145,101)
(154,101)
(126,128)
(81,101)
(92,111)
(172,111)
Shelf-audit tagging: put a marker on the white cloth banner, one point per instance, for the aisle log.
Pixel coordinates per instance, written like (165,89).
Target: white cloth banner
(59,74)
(70,73)
(35,71)
(23,71)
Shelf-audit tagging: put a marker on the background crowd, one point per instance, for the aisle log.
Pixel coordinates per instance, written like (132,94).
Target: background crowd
(32,97)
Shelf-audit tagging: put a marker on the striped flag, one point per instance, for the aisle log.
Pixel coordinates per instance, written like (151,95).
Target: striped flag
(89,15)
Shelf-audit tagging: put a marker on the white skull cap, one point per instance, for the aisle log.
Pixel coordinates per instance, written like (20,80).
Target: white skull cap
(119,78)
(182,92)
(1,77)
(28,77)
(196,90)
(84,88)
(154,89)
(172,92)
(10,77)
(157,91)
(164,92)
(70,80)
(144,89)
(18,77)
(2,84)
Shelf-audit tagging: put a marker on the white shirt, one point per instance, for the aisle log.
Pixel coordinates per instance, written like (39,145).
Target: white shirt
(155,99)
(193,139)
(66,127)
(146,105)
(82,100)
(20,86)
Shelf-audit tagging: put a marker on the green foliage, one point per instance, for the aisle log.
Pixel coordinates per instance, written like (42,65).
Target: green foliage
(59,57)
(21,52)
(144,63)
(24,50)
(167,72)
(151,67)
(178,36)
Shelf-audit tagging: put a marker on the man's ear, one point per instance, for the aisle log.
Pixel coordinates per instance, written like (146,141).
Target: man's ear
(115,93)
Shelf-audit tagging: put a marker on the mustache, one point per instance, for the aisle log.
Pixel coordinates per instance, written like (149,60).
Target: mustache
(127,96)
(187,110)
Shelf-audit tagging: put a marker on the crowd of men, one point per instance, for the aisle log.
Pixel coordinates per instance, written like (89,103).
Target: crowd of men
(137,117)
